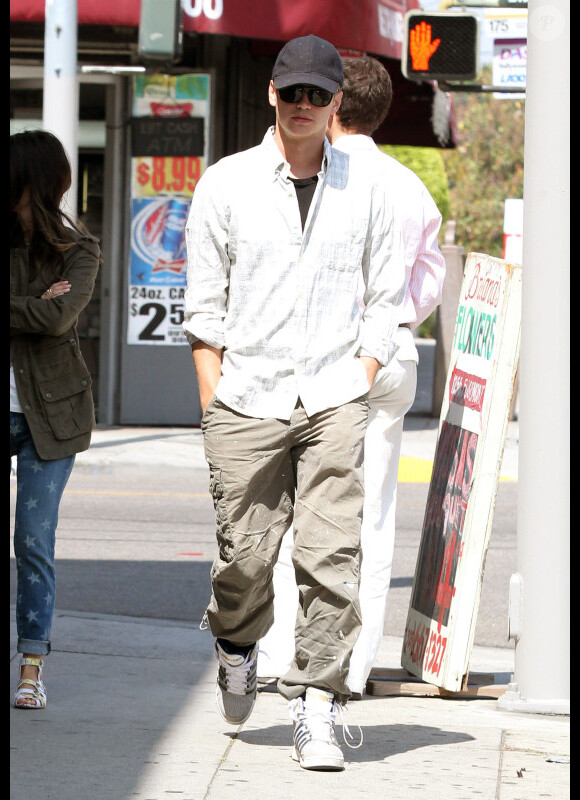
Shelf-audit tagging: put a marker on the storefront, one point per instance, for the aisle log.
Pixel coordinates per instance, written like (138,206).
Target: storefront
(145,138)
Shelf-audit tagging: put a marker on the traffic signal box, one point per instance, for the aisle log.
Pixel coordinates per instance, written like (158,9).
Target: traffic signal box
(440,46)
(160,30)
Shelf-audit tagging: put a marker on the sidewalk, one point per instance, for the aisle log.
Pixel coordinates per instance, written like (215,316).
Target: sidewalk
(183,447)
(132,715)
(132,712)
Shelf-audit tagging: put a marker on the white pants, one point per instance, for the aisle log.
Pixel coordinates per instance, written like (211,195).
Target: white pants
(390,398)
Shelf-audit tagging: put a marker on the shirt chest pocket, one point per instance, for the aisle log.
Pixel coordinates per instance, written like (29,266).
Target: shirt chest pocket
(344,242)
(344,254)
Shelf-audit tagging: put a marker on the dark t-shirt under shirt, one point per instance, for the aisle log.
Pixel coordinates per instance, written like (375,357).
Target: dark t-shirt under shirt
(304,192)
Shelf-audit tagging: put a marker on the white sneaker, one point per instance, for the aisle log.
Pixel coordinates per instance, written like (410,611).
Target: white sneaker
(236,684)
(315,744)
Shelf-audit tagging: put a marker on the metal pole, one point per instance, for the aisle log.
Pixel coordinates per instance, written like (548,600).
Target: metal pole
(114,238)
(540,590)
(60,106)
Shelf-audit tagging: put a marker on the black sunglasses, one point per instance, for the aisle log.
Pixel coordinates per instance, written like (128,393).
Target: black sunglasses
(318,97)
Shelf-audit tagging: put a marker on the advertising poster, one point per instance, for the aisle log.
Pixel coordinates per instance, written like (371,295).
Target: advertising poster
(459,511)
(509,66)
(507,31)
(169,153)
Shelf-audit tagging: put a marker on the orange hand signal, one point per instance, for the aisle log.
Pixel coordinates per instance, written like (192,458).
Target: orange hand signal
(421,47)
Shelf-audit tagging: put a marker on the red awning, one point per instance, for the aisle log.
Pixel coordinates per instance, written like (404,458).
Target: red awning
(372,26)
(353,26)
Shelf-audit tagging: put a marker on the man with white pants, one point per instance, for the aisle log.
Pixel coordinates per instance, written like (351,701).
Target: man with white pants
(367,95)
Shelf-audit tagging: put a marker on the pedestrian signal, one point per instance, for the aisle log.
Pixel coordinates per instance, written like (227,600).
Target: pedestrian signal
(440,45)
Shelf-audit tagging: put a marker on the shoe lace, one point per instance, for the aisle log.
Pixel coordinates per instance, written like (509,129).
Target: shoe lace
(340,709)
(241,678)
(321,723)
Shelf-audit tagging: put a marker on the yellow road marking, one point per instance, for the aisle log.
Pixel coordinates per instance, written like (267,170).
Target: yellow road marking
(418,470)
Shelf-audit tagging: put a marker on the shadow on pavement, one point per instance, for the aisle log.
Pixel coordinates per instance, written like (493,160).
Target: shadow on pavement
(380,741)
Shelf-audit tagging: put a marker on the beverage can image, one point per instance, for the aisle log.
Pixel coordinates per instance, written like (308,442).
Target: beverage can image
(158,254)
(173,234)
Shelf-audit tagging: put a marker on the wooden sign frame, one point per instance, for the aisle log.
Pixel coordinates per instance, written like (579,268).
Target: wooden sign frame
(459,513)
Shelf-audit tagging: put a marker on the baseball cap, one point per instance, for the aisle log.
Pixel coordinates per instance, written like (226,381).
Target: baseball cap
(308,59)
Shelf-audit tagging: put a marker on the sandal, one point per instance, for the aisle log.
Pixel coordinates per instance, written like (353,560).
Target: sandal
(28,689)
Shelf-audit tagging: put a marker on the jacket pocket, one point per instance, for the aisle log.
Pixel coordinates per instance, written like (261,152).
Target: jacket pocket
(68,404)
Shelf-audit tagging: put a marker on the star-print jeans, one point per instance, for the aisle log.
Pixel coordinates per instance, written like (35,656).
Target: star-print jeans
(40,485)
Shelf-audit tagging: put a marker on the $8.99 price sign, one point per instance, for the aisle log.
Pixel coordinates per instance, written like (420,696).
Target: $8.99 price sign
(155,315)
(154,175)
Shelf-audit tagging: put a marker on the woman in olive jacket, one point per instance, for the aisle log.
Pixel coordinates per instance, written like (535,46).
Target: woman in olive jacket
(53,266)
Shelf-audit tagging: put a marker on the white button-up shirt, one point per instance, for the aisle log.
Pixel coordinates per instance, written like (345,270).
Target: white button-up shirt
(283,302)
(420,222)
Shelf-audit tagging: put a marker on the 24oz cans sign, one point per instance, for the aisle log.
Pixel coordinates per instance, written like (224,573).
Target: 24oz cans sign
(157,270)
(459,512)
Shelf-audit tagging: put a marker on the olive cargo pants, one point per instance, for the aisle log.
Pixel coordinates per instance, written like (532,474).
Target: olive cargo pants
(266,474)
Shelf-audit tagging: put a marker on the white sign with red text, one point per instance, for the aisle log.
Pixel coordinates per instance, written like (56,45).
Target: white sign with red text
(459,512)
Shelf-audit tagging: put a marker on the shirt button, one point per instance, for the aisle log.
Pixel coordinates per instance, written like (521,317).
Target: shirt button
(48,395)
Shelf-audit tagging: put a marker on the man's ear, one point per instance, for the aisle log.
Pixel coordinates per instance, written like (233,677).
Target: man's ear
(336,101)
(272,96)
(331,127)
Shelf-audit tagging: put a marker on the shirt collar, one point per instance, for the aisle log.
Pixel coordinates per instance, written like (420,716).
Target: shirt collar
(278,163)
(353,142)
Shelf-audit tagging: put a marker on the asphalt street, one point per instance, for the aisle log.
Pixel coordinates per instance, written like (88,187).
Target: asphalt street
(136,535)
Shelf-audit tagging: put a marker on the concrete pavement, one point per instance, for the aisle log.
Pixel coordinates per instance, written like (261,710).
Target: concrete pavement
(132,711)
(132,714)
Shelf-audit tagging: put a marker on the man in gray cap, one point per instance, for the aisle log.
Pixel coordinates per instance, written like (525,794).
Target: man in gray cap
(279,239)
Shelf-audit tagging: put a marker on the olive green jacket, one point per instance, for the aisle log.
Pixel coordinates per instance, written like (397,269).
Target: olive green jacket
(52,379)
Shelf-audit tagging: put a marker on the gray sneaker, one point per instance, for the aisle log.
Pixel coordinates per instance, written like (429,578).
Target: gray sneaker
(236,684)
(315,744)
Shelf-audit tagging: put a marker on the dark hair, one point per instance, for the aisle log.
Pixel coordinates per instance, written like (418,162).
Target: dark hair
(367,95)
(39,163)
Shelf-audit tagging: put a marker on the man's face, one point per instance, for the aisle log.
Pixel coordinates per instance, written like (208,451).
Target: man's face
(302,119)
